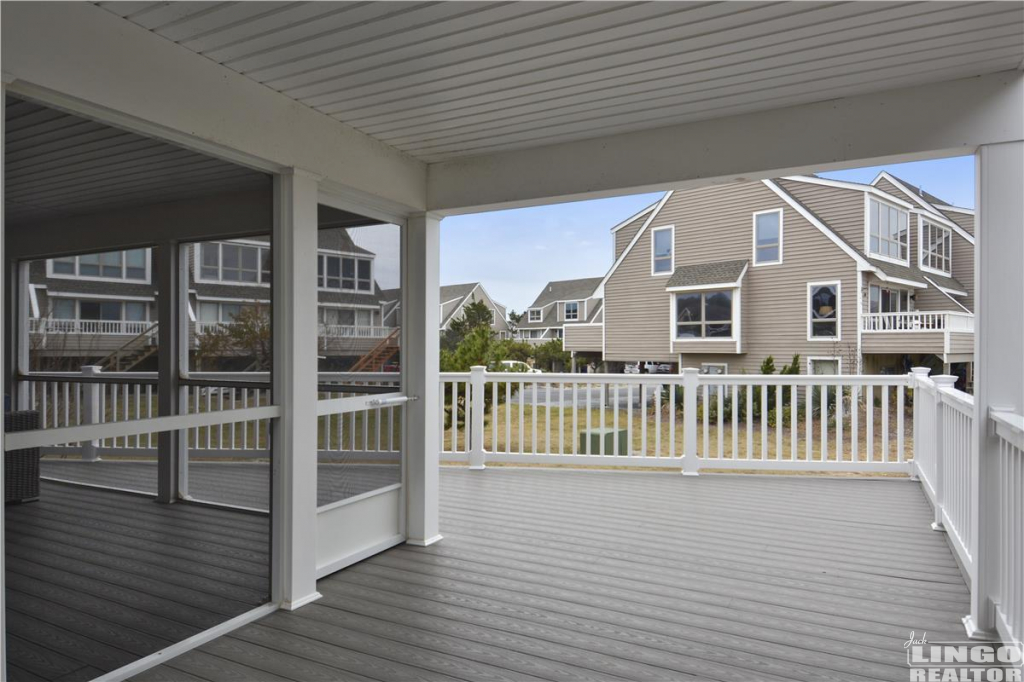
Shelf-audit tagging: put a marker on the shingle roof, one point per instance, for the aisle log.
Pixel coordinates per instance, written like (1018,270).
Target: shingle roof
(452,292)
(707,274)
(930,198)
(567,290)
(914,273)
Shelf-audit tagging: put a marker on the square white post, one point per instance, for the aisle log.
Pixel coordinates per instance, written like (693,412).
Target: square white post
(691,463)
(998,353)
(477,455)
(294,453)
(421,348)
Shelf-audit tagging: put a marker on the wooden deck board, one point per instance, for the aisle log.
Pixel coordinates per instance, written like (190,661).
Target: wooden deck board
(97,579)
(563,575)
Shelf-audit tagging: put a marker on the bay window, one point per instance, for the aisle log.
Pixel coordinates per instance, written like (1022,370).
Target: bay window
(936,247)
(888,231)
(823,310)
(704,315)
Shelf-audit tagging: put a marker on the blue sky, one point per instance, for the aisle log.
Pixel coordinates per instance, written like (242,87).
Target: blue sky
(514,253)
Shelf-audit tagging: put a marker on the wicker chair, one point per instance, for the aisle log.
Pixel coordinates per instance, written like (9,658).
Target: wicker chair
(21,467)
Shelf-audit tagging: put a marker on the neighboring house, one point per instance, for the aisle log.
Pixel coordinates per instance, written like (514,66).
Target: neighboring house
(455,297)
(101,308)
(571,303)
(852,277)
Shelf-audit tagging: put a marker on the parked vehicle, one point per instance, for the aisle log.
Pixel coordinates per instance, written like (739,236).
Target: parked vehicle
(518,366)
(657,368)
(631,369)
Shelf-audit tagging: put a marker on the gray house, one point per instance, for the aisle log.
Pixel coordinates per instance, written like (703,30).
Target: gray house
(575,303)
(852,277)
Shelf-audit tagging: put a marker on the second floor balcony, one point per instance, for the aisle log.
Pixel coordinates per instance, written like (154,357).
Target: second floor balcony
(947,334)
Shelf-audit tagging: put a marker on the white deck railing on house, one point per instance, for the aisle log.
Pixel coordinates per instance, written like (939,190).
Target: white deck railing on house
(325,330)
(918,321)
(687,421)
(95,397)
(37,325)
(1009,525)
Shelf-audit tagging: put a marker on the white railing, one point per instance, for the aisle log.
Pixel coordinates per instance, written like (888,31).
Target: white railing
(96,397)
(39,325)
(325,330)
(688,421)
(1009,525)
(944,423)
(918,321)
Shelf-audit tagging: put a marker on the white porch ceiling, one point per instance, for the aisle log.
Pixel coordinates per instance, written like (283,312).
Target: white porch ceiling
(445,80)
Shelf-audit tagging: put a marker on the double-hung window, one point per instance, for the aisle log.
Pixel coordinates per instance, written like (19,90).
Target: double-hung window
(936,247)
(572,311)
(704,315)
(823,310)
(768,237)
(661,250)
(888,231)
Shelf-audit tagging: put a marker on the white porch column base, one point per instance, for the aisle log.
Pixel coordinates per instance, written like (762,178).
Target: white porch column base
(998,355)
(294,461)
(421,348)
(974,632)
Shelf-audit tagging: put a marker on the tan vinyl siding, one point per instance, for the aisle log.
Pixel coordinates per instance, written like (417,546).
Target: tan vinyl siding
(961,342)
(904,342)
(715,224)
(964,220)
(626,234)
(582,338)
(701,346)
(963,267)
(840,209)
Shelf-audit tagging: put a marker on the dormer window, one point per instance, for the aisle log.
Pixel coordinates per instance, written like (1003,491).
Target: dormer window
(572,311)
(888,231)
(341,272)
(936,247)
(534,315)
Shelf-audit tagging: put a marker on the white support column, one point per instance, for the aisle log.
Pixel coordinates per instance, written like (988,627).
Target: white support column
(477,409)
(691,463)
(294,452)
(998,350)
(421,304)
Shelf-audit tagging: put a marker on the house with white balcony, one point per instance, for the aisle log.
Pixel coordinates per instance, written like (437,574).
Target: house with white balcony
(855,278)
(100,309)
(562,304)
(287,522)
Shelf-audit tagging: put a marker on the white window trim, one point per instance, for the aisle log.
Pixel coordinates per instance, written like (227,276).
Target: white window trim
(868,198)
(922,254)
(356,290)
(753,238)
(531,311)
(673,331)
(723,365)
(839,312)
(565,311)
(672,253)
(494,317)
(890,289)
(811,359)
(92,278)
(198,264)
(85,298)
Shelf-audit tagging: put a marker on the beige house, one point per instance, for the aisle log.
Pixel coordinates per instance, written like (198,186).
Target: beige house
(852,277)
(574,303)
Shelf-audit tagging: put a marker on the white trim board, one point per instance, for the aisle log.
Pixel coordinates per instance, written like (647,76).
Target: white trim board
(633,217)
(838,284)
(929,208)
(753,237)
(634,240)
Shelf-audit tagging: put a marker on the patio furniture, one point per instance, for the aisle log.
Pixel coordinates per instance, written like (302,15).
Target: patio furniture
(21,467)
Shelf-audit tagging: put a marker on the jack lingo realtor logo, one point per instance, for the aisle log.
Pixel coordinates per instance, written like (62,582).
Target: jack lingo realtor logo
(975,661)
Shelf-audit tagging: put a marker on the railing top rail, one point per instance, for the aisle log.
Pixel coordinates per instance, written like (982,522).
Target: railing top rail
(711,379)
(1009,426)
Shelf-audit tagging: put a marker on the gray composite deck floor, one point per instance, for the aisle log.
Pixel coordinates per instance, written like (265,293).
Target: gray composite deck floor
(97,579)
(244,484)
(561,575)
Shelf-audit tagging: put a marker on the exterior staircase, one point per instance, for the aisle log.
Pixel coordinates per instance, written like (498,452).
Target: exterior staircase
(379,355)
(134,351)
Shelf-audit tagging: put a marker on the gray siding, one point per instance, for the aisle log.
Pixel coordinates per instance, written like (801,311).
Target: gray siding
(715,224)
(583,337)
(961,342)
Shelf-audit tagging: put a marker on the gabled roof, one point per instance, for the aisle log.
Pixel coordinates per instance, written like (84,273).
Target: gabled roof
(337,239)
(722,273)
(914,189)
(567,290)
(452,292)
